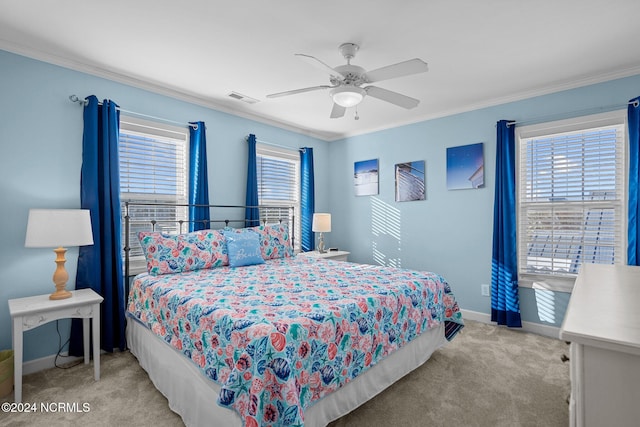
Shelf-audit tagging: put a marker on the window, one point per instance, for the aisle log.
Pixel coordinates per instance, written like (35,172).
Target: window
(571,198)
(153,169)
(278,172)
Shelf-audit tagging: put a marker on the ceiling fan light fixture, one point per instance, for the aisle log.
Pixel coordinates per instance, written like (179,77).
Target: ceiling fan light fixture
(348,96)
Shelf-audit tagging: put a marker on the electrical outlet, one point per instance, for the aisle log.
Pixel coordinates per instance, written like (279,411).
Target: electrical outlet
(484,290)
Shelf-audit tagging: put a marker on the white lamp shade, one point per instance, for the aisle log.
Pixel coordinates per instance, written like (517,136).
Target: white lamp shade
(348,96)
(52,228)
(321,222)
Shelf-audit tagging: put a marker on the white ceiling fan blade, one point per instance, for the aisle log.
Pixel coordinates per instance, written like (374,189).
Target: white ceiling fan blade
(295,91)
(337,111)
(401,69)
(318,63)
(392,97)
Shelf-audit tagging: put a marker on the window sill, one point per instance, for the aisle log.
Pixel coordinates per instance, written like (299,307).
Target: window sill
(556,284)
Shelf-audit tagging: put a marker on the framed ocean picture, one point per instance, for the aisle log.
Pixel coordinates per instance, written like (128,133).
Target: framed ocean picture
(365,177)
(465,167)
(410,181)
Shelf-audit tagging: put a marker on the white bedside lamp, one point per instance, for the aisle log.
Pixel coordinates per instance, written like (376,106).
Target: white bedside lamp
(55,228)
(322,224)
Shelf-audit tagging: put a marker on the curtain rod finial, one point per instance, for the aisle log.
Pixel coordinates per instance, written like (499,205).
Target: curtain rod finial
(74,98)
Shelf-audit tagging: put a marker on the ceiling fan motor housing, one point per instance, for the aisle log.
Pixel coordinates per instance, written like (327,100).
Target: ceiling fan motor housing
(351,75)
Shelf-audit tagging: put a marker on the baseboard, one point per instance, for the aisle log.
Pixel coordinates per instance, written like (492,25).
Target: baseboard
(535,328)
(47,362)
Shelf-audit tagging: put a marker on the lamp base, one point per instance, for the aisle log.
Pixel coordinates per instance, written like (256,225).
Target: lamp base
(60,294)
(320,247)
(60,276)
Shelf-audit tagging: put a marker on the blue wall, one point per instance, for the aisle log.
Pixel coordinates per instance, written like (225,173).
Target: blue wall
(40,159)
(451,231)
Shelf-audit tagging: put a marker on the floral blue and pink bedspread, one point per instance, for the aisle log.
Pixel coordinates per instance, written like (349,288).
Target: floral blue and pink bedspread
(279,336)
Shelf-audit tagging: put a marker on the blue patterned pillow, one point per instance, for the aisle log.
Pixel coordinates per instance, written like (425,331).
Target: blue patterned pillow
(274,241)
(167,254)
(243,248)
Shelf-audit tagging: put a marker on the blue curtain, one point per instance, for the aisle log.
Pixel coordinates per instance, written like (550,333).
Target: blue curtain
(633,114)
(252,214)
(198,177)
(100,265)
(307,199)
(505,306)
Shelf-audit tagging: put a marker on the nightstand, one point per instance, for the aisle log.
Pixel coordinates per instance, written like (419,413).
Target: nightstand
(332,255)
(31,312)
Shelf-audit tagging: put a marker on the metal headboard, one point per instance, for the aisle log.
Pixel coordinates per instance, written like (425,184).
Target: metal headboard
(147,215)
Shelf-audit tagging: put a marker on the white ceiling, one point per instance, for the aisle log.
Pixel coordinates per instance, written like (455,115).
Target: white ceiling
(480,53)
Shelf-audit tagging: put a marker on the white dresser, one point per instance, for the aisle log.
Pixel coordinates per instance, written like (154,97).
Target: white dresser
(602,323)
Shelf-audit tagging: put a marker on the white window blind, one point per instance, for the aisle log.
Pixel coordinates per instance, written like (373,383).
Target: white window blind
(153,169)
(571,196)
(278,171)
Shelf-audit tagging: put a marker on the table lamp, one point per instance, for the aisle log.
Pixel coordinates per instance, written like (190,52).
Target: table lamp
(55,228)
(322,224)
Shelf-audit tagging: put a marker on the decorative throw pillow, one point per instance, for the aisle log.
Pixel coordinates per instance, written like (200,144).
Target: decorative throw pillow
(274,241)
(243,247)
(197,250)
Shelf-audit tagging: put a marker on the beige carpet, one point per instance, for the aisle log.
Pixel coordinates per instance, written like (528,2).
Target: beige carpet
(488,376)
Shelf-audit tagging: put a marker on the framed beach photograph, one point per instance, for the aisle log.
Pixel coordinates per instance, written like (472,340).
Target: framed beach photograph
(365,177)
(465,167)
(410,181)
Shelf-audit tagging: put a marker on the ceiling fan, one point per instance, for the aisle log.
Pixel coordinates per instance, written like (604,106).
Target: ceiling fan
(347,81)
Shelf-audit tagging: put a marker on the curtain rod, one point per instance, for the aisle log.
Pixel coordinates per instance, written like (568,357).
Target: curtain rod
(261,141)
(575,113)
(83,102)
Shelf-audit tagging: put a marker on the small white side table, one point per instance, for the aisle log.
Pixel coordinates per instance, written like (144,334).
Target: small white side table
(332,255)
(31,312)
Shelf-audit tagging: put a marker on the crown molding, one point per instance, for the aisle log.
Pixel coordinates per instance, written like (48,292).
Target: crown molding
(156,88)
(192,98)
(519,96)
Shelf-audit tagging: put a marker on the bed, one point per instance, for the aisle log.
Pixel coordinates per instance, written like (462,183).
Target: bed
(282,340)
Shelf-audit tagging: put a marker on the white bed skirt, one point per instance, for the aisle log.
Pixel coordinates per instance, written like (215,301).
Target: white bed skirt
(193,396)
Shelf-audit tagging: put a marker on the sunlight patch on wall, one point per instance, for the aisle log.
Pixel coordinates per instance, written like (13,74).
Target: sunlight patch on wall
(386,233)
(546,303)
